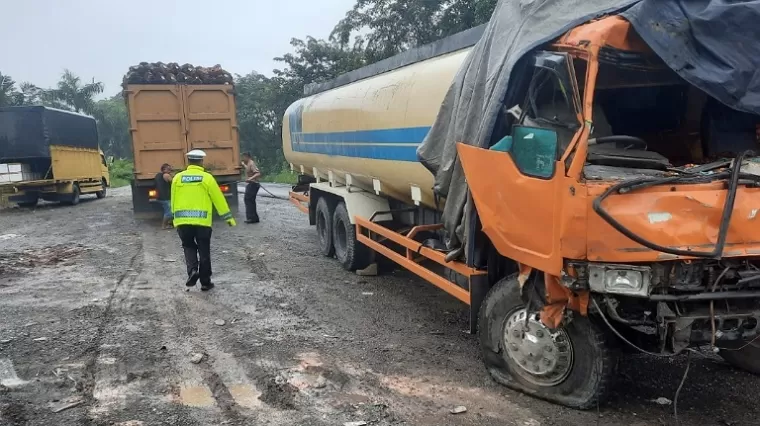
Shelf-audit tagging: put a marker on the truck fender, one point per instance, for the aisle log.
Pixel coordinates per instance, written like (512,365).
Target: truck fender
(358,202)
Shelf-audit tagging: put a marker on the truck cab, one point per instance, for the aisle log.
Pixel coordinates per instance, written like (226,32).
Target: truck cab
(625,201)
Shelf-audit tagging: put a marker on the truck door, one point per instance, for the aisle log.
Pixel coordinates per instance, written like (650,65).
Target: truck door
(212,126)
(517,188)
(157,125)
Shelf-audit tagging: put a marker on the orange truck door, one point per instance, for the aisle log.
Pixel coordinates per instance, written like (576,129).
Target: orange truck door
(212,126)
(157,127)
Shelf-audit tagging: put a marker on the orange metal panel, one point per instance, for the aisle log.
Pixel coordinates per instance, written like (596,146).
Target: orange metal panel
(298,199)
(683,217)
(428,275)
(520,214)
(414,246)
(157,126)
(612,31)
(211,125)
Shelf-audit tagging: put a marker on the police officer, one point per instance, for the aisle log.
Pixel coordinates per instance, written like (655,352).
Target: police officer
(194,195)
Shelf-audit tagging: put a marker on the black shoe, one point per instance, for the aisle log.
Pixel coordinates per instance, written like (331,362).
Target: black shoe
(252,221)
(192,279)
(207,287)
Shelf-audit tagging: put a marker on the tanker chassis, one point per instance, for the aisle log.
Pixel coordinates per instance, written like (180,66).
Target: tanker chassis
(583,239)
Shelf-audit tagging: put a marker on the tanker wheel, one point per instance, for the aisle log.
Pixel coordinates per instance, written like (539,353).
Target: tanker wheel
(324,219)
(571,366)
(742,354)
(351,253)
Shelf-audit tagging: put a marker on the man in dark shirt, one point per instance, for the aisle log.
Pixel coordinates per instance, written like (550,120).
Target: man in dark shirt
(163,189)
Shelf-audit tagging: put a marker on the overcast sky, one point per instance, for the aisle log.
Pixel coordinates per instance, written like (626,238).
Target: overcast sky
(102,38)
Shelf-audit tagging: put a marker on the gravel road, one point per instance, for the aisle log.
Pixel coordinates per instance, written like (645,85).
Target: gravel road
(97,329)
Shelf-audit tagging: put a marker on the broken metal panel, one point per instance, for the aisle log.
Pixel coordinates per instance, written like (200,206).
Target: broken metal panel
(683,217)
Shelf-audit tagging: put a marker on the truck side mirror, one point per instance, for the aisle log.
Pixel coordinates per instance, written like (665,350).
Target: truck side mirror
(534,151)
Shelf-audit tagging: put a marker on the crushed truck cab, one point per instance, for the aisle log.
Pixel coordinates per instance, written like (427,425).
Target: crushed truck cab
(615,206)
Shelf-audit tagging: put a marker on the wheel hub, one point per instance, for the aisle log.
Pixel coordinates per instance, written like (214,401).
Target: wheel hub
(540,355)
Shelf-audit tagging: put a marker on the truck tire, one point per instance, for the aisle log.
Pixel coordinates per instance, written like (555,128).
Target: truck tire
(571,366)
(324,219)
(75,196)
(102,194)
(743,355)
(351,254)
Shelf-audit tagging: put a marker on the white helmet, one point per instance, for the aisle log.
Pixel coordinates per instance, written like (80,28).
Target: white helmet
(196,154)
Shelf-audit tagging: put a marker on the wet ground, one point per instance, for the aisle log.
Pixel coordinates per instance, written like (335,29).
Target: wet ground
(96,329)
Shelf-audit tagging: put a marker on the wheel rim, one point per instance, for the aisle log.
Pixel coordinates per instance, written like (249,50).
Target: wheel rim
(539,355)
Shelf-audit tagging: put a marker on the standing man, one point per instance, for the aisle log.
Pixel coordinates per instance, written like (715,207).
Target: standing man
(194,195)
(252,175)
(163,188)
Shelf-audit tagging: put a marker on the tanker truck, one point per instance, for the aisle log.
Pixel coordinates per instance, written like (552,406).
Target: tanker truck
(606,215)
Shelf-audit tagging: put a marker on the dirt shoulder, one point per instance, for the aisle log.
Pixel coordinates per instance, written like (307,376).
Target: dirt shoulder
(97,329)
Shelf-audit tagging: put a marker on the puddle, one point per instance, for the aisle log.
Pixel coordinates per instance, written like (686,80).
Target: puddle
(246,396)
(196,396)
(8,377)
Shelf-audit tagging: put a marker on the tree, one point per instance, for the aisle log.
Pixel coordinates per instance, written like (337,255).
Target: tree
(113,126)
(72,94)
(9,96)
(393,26)
(262,101)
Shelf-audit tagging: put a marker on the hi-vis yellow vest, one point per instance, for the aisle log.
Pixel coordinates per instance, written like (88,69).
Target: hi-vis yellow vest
(194,195)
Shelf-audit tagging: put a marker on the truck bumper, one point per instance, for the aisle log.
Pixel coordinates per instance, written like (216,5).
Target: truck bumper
(144,204)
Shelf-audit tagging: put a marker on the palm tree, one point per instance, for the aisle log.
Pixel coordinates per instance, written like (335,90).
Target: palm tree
(72,94)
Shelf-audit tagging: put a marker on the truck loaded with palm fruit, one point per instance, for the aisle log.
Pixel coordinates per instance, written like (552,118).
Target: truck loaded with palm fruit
(172,110)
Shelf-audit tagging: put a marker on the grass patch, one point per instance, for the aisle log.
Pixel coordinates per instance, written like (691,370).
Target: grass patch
(285,176)
(121,172)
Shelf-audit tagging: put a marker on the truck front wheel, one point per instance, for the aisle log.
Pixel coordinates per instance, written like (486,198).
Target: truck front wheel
(572,365)
(351,253)
(324,219)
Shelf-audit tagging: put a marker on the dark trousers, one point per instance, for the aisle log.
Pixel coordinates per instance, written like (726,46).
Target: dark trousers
(196,242)
(251,191)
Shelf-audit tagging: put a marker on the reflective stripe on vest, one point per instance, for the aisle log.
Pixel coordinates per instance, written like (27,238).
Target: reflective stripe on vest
(197,214)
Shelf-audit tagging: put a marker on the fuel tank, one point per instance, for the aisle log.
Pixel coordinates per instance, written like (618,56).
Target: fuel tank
(365,134)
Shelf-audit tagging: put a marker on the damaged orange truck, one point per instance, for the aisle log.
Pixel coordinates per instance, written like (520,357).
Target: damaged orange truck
(613,208)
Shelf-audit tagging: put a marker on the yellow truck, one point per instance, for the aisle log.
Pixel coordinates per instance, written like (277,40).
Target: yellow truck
(167,121)
(49,154)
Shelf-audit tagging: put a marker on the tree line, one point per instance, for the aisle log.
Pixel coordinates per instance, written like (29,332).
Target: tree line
(386,28)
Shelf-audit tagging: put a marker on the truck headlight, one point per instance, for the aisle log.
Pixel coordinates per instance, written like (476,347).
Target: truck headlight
(619,279)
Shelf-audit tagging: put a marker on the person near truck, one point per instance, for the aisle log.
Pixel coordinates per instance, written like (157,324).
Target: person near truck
(194,195)
(252,175)
(163,193)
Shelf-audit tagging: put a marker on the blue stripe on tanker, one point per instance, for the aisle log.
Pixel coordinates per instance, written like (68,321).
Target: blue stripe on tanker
(383,144)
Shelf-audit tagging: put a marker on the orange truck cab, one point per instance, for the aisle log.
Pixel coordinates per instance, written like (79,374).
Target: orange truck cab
(648,240)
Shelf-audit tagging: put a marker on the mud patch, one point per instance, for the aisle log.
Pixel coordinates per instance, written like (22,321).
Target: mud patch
(17,262)
(278,393)
(258,267)
(12,412)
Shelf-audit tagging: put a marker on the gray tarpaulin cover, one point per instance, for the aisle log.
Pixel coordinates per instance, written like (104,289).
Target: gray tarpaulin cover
(712,44)
(470,108)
